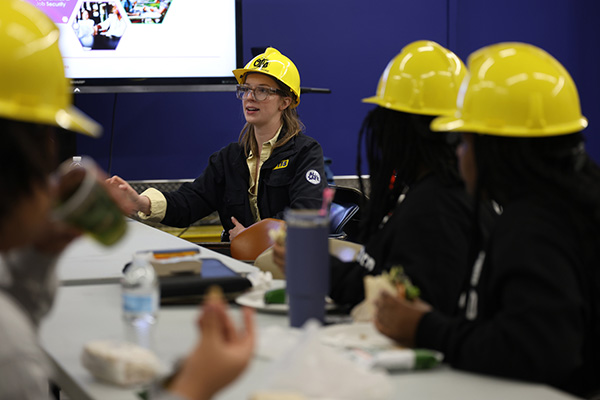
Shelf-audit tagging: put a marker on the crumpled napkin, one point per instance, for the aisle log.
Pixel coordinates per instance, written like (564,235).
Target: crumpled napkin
(120,363)
(306,366)
(260,280)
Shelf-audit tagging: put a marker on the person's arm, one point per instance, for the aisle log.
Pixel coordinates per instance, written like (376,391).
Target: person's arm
(398,318)
(236,230)
(100,27)
(304,193)
(140,203)
(198,199)
(529,322)
(346,278)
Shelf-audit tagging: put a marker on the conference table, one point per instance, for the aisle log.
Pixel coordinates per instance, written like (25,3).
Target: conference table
(88,307)
(87,262)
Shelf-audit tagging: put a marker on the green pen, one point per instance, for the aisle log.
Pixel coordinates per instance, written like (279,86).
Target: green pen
(399,359)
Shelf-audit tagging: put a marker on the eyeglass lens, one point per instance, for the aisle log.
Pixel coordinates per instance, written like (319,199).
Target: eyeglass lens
(259,93)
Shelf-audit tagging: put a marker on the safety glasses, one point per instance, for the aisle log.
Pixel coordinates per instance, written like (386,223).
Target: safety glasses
(259,93)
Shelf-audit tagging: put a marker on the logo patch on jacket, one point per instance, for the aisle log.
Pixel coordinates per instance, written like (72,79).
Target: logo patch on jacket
(313,177)
(282,164)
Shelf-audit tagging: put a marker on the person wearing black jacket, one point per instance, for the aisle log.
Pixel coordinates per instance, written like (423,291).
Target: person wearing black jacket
(285,181)
(418,213)
(530,309)
(273,165)
(427,234)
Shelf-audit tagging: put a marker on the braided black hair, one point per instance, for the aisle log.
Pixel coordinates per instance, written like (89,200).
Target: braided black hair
(400,148)
(556,166)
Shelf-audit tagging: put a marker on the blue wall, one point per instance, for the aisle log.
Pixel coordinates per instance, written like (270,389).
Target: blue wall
(343,45)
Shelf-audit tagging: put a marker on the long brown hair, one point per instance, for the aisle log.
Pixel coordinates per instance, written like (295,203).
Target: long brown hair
(290,119)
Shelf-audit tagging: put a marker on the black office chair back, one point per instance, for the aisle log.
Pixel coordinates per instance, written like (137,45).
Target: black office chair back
(345,213)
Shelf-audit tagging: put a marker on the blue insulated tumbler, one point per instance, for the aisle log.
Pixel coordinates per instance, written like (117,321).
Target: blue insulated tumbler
(307,265)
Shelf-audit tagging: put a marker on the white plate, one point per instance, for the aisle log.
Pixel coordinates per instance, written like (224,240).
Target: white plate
(256,299)
(361,335)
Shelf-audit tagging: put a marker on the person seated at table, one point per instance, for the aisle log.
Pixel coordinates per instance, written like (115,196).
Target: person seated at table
(107,34)
(33,112)
(84,29)
(418,213)
(273,165)
(129,7)
(114,25)
(531,306)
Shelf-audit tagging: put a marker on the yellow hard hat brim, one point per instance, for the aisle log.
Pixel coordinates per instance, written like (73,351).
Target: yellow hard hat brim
(75,120)
(454,124)
(386,104)
(403,108)
(69,118)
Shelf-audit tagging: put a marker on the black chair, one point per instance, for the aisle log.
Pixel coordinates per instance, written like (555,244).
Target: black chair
(344,213)
(339,216)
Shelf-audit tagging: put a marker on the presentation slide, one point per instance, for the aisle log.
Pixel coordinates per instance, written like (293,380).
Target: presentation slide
(145,38)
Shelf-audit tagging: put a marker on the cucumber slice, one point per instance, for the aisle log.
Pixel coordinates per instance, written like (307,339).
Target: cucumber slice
(275,296)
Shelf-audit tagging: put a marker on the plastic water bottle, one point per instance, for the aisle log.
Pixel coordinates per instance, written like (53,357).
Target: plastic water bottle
(140,292)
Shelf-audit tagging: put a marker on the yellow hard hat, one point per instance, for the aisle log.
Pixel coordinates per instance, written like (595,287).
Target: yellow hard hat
(423,79)
(33,87)
(274,64)
(516,89)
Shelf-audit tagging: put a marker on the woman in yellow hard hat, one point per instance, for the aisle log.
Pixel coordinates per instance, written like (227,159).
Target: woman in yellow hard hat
(35,109)
(418,213)
(531,307)
(272,166)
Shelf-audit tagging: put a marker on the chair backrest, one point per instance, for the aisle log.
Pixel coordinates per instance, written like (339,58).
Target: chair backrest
(339,216)
(254,239)
(345,212)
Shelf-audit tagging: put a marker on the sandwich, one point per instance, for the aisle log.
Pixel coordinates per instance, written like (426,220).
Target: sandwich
(395,282)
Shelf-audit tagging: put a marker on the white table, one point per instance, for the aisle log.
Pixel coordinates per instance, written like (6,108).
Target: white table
(86,261)
(84,313)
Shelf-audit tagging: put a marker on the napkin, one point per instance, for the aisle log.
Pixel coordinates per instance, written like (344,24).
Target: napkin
(315,370)
(260,280)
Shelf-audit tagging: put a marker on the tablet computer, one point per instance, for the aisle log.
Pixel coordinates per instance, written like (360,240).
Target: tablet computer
(214,272)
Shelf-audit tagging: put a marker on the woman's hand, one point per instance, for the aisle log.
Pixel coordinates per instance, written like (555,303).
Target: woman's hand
(398,318)
(126,197)
(236,230)
(221,355)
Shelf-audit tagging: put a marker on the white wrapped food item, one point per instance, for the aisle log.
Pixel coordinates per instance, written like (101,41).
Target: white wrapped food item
(120,363)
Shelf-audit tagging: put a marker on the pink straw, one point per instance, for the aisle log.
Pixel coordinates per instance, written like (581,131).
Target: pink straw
(327,199)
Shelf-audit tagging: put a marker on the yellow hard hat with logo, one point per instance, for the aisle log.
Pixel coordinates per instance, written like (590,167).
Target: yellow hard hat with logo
(516,89)
(274,64)
(33,86)
(424,78)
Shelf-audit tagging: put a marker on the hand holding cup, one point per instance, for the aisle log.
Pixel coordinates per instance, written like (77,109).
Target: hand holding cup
(85,203)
